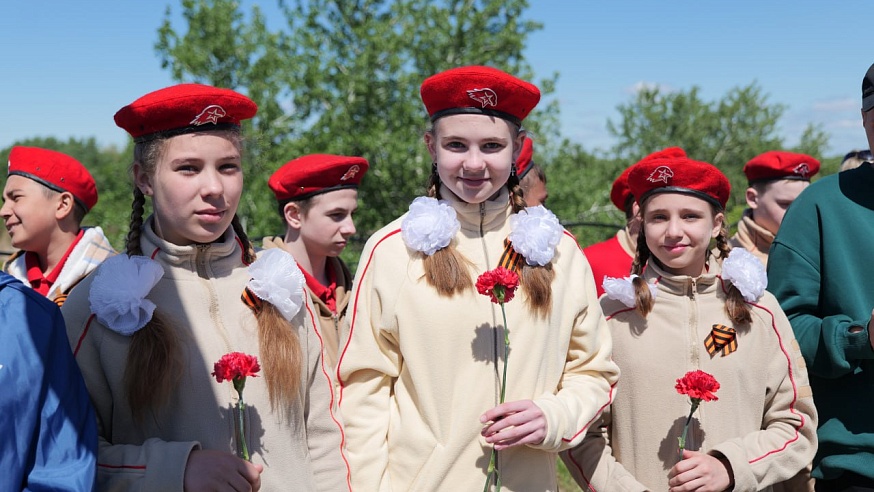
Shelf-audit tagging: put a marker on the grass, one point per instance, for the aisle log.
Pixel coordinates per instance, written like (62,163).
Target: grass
(565,482)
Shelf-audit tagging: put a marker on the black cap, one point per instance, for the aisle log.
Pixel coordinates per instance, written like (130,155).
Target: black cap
(868,90)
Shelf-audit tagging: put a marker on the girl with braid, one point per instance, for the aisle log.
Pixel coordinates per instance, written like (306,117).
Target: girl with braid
(148,327)
(689,310)
(422,353)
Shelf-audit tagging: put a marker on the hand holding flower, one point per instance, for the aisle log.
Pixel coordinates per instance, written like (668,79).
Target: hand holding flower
(513,424)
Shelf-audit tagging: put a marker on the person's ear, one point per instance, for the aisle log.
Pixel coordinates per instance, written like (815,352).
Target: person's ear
(752,198)
(517,145)
(292,214)
(718,222)
(142,180)
(431,143)
(64,205)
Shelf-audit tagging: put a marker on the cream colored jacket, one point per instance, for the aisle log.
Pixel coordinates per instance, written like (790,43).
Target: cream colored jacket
(199,295)
(752,237)
(417,369)
(764,421)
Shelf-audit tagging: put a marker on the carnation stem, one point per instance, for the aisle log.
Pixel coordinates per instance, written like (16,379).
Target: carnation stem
(241,428)
(695,402)
(493,470)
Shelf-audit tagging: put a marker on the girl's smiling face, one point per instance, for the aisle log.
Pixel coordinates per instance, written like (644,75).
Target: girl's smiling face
(474,154)
(679,229)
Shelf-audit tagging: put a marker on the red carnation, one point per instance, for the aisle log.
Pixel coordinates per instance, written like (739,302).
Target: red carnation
(500,284)
(698,385)
(236,367)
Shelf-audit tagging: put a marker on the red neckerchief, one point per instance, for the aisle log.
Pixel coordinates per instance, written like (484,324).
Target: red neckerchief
(40,282)
(328,294)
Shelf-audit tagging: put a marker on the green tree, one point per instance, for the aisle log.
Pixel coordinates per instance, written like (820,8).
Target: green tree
(727,133)
(343,77)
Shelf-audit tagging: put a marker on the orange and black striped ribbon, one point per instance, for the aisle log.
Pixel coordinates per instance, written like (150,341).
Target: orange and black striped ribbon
(721,338)
(60,299)
(510,259)
(250,299)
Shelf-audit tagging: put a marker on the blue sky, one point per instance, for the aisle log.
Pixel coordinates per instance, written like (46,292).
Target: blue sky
(68,66)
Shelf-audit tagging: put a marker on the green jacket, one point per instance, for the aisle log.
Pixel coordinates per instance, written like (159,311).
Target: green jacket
(820,269)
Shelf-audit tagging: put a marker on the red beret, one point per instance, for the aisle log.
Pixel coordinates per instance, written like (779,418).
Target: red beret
(776,164)
(56,171)
(479,90)
(620,193)
(670,171)
(184,108)
(523,163)
(313,174)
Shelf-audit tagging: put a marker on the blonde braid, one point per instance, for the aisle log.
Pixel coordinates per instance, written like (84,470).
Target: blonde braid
(736,308)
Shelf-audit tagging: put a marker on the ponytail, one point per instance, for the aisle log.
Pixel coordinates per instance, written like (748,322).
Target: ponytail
(643,297)
(536,281)
(736,308)
(446,270)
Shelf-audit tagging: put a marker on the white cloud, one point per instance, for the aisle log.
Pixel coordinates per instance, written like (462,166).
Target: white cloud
(836,105)
(857,123)
(641,85)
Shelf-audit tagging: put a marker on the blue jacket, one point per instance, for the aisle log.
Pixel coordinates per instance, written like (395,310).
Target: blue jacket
(48,430)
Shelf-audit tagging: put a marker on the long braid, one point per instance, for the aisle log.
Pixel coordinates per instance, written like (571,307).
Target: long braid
(736,308)
(154,362)
(132,241)
(249,251)
(644,301)
(446,270)
(278,342)
(536,281)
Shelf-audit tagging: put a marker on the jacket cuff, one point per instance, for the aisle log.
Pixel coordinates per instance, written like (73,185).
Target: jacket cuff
(166,468)
(743,478)
(857,345)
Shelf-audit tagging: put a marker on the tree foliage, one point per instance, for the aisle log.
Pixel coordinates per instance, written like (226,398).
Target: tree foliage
(726,133)
(342,77)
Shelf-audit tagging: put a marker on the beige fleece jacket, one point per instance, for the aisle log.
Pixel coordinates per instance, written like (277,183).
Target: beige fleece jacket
(752,237)
(418,369)
(200,295)
(764,421)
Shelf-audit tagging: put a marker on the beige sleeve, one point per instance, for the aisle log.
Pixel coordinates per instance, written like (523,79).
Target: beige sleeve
(592,465)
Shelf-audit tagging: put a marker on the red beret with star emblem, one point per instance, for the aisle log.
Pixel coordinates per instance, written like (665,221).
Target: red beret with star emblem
(314,174)
(479,90)
(523,163)
(777,164)
(184,108)
(56,171)
(670,171)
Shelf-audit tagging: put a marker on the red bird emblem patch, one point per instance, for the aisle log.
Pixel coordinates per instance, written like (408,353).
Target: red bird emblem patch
(661,173)
(210,114)
(486,97)
(350,173)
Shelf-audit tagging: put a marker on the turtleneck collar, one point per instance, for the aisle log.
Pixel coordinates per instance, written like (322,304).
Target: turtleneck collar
(681,284)
(213,259)
(489,212)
